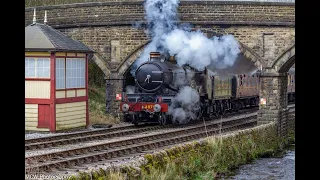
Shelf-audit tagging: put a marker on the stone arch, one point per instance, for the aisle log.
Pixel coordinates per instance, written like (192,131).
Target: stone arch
(101,64)
(284,62)
(245,50)
(128,61)
(252,56)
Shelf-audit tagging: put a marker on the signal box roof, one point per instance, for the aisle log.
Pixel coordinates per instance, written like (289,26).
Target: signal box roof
(41,37)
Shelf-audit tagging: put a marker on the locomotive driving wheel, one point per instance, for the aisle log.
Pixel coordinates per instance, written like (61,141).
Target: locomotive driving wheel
(162,119)
(223,108)
(216,110)
(134,120)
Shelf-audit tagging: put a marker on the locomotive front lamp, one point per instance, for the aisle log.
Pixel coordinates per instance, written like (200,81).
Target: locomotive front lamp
(125,107)
(157,108)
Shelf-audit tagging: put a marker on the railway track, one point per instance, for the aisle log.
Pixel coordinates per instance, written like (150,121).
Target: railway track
(71,138)
(56,140)
(76,134)
(97,135)
(76,157)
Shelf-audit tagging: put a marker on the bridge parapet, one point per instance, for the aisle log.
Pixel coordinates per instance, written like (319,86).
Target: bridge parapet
(196,12)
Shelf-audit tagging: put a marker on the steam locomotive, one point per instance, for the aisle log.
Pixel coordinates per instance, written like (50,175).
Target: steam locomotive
(158,81)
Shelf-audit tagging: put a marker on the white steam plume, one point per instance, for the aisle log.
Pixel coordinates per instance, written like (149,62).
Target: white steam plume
(130,89)
(192,48)
(181,77)
(185,105)
(198,51)
(161,16)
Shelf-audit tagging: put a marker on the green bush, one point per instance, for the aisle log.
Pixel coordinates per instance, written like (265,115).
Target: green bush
(96,75)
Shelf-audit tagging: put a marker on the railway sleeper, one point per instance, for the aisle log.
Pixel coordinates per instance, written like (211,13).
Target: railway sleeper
(83,151)
(143,146)
(97,136)
(31,144)
(170,141)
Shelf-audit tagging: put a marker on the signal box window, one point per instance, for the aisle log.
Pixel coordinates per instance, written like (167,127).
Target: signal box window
(37,67)
(70,73)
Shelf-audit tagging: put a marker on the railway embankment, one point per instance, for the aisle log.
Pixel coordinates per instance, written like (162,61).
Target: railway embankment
(208,158)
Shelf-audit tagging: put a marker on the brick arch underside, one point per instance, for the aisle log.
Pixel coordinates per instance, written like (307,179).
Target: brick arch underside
(285,61)
(100,63)
(129,60)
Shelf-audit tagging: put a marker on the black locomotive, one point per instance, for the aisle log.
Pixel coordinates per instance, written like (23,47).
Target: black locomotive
(158,81)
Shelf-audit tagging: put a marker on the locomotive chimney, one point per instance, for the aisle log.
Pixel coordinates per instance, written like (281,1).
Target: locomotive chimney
(172,60)
(155,56)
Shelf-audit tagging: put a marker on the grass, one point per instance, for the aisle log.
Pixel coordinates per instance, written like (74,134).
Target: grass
(214,158)
(97,97)
(97,107)
(206,160)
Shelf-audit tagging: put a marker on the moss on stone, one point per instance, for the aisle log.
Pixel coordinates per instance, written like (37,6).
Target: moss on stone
(206,159)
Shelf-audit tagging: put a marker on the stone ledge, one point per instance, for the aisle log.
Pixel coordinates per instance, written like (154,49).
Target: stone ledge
(126,23)
(214,2)
(271,73)
(183,2)
(78,5)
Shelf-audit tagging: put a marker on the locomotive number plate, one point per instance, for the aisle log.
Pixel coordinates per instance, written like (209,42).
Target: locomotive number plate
(150,106)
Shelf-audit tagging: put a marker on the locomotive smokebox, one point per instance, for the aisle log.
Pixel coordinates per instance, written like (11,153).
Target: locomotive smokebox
(154,74)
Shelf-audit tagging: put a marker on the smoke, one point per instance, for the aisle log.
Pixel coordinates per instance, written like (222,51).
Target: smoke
(130,89)
(192,48)
(198,51)
(181,77)
(186,26)
(241,66)
(138,24)
(143,57)
(161,16)
(184,106)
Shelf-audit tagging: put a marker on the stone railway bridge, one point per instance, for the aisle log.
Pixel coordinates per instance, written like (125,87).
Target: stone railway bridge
(114,29)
